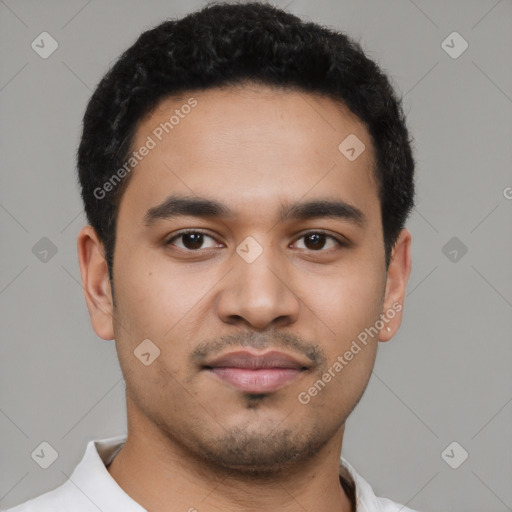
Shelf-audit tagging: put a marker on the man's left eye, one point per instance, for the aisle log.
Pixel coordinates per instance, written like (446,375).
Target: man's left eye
(316,241)
(194,240)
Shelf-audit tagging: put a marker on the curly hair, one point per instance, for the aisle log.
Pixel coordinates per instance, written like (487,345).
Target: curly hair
(227,44)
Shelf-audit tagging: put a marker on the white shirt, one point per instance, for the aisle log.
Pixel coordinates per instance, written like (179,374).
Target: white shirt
(91,488)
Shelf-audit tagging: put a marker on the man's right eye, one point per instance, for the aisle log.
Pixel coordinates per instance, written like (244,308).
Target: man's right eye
(191,240)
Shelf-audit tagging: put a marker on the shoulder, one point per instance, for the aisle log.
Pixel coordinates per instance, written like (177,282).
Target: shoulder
(62,499)
(386,505)
(366,499)
(90,487)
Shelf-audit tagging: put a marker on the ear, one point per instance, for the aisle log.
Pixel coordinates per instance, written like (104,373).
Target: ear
(95,282)
(397,276)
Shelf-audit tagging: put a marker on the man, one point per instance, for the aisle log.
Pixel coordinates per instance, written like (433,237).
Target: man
(247,177)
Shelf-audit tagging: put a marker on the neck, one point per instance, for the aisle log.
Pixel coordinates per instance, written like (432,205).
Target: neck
(162,476)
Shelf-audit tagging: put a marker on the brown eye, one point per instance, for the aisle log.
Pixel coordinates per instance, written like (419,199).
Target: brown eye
(191,240)
(316,241)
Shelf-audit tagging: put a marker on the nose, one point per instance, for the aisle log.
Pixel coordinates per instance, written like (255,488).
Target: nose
(258,294)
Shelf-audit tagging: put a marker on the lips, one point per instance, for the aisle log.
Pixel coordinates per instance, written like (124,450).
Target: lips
(255,372)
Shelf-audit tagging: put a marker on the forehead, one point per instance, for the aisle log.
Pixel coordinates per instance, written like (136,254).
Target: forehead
(251,146)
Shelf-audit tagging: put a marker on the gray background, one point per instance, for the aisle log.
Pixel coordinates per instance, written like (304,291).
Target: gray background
(445,377)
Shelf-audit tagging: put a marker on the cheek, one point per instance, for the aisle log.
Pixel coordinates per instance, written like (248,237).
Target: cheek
(153,293)
(150,307)
(335,392)
(350,306)
(350,310)
(158,301)
(350,300)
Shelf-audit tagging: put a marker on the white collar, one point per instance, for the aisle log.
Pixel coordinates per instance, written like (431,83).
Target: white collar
(92,478)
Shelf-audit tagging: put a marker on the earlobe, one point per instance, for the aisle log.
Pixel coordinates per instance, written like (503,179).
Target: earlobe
(95,282)
(396,283)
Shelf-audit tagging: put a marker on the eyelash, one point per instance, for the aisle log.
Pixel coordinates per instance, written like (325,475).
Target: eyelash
(339,242)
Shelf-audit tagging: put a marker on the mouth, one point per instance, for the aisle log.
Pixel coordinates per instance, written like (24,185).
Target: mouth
(252,372)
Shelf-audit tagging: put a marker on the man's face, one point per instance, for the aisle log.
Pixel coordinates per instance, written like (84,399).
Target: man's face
(250,280)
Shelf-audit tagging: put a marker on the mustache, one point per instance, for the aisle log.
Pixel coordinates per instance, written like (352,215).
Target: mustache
(259,340)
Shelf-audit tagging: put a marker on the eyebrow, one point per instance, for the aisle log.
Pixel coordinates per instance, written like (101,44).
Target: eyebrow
(175,206)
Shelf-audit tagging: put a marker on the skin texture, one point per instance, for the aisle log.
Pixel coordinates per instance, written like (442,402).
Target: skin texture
(195,441)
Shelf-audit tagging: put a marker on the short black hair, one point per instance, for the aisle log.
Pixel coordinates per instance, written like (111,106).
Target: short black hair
(225,44)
